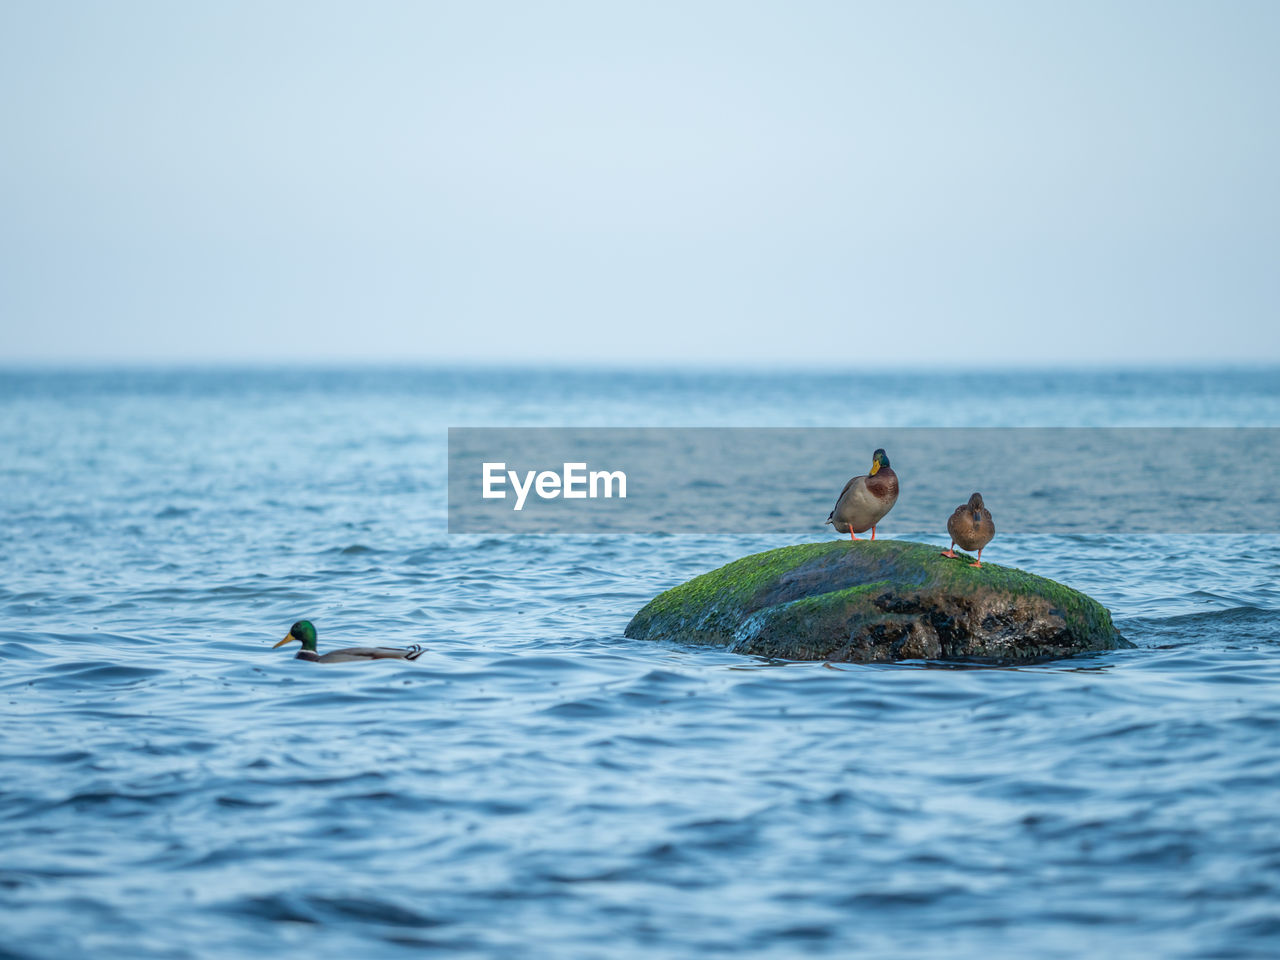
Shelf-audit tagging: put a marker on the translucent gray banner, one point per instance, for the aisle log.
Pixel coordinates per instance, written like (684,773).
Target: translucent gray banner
(1192,480)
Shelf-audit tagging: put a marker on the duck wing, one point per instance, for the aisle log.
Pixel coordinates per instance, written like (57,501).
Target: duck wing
(353,654)
(843,493)
(987,526)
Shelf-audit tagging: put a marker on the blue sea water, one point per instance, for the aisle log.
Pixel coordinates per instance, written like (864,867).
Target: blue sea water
(537,785)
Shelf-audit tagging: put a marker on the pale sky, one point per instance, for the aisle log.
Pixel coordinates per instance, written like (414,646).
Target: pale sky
(855,184)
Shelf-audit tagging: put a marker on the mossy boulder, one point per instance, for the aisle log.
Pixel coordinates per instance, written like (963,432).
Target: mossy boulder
(871,601)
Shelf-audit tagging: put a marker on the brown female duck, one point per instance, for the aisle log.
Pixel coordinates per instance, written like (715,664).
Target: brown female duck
(971,527)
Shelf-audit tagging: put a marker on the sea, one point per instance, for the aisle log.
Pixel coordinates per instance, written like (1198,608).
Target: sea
(536,785)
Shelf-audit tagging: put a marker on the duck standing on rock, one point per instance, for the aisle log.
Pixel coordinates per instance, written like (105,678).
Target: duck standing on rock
(970,525)
(305,633)
(865,500)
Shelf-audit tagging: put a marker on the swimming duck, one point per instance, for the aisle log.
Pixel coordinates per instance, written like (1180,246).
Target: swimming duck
(305,633)
(971,527)
(865,500)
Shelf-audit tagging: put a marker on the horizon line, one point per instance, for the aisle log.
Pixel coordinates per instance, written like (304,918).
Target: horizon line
(226,365)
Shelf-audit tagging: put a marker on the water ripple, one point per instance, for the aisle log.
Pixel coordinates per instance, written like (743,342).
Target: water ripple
(539,786)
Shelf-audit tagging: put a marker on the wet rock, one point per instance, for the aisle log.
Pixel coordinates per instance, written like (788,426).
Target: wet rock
(874,601)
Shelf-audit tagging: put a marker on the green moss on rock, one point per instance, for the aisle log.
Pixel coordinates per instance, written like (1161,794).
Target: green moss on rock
(874,601)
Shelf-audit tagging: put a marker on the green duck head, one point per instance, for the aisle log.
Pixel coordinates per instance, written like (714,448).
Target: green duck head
(304,632)
(879,460)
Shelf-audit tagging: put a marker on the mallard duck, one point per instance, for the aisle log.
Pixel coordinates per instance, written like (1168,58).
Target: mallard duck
(865,500)
(305,633)
(971,527)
